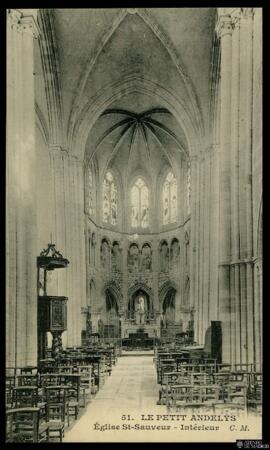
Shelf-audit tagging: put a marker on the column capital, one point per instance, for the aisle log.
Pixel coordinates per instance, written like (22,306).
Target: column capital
(24,21)
(248,13)
(236,17)
(224,26)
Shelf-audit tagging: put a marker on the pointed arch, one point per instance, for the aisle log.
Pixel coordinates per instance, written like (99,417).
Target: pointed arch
(139,194)
(109,199)
(195,110)
(164,290)
(169,198)
(127,85)
(115,289)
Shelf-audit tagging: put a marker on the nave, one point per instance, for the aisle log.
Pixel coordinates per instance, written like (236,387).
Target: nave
(104,394)
(132,388)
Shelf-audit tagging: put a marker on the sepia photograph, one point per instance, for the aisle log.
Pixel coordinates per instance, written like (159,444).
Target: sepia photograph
(134,220)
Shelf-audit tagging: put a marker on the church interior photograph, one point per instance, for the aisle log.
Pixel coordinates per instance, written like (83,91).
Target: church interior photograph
(133,218)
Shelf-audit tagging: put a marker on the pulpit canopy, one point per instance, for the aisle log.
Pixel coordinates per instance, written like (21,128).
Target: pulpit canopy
(51,259)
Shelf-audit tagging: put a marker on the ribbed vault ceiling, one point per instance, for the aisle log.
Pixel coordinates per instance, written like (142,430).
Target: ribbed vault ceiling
(98,47)
(144,139)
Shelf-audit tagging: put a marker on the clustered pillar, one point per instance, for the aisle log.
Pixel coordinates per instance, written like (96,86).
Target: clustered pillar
(225,268)
(21,183)
(237,300)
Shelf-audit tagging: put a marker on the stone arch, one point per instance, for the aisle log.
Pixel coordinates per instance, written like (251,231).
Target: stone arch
(105,250)
(130,84)
(164,289)
(140,286)
(164,255)
(159,192)
(129,184)
(168,45)
(133,257)
(120,196)
(111,310)
(146,257)
(116,256)
(174,253)
(115,290)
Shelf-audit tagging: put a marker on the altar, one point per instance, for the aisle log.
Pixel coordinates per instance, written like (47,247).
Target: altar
(140,317)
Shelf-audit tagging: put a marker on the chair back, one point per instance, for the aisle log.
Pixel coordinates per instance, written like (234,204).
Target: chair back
(23,425)
(55,395)
(25,396)
(49,379)
(28,380)
(55,412)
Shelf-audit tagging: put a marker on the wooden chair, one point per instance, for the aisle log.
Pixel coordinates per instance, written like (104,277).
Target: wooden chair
(72,399)
(224,367)
(28,379)
(65,369)
(30,396)
(29,370)
(46,365)
(55,418)
(171,378)
(23,425)
(8,396)
(201,378)
(237,393)
(164,369)
(86,381)
(243,367)
(49,379)
(254,400)
(181,395)
(25,396)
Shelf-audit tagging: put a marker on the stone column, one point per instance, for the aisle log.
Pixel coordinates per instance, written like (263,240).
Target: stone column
(155,271)
(246,43)
(201,264)
(258,313)
(224,30)
(234,271)
(214,237)
(197,240)
(207,259)
(193,243)
(125,273)
(21,190)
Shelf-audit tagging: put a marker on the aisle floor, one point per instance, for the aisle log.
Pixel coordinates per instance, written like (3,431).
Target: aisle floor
(115,414)
(130,390)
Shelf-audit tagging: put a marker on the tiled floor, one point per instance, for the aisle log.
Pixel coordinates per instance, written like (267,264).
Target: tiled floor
(130,390)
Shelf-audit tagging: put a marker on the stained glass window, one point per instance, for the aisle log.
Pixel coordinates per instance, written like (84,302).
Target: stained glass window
(169,199)
(139,204)
(109,199)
